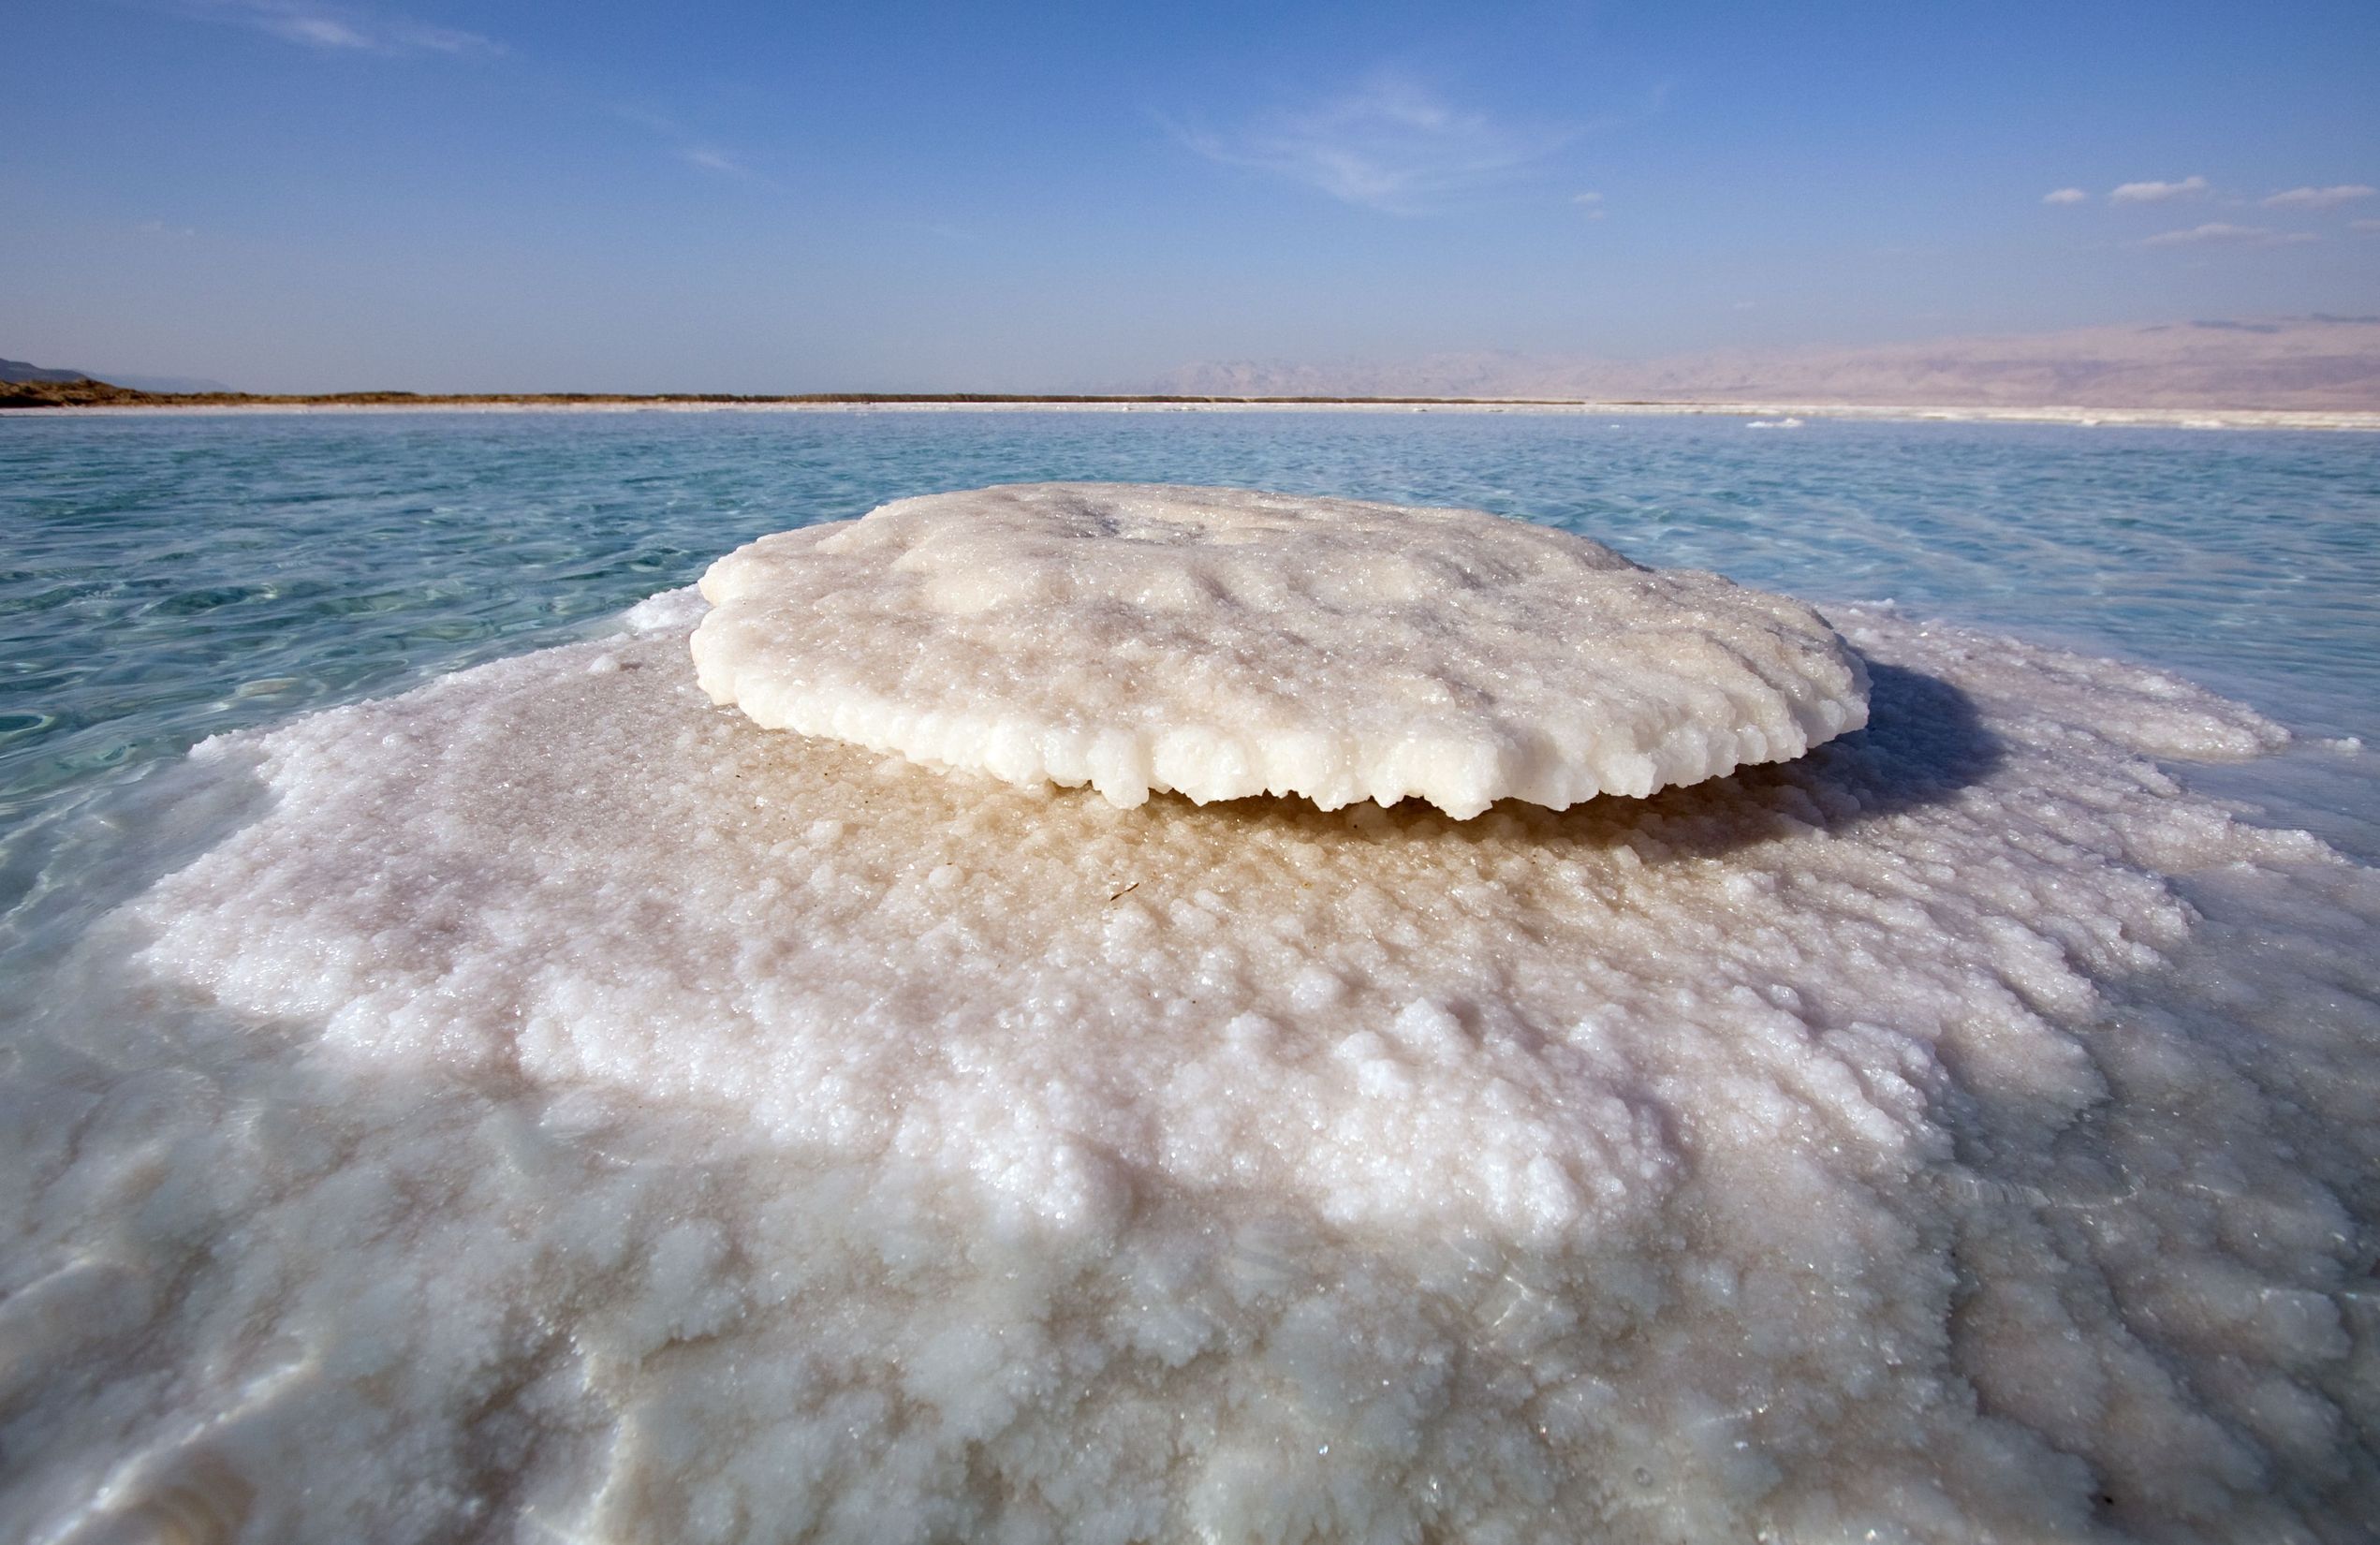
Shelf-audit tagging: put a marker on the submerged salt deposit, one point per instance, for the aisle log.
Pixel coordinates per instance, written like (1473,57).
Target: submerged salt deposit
(1960,1132)
(1224,643)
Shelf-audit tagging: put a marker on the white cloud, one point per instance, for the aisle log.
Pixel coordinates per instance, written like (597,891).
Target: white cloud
(2218,233)
(2330,197)
(1589,204)
(689,147)
(2158,193)
(2065,196)
(1392,145)
(321,31)
(341,28)
(2364,225)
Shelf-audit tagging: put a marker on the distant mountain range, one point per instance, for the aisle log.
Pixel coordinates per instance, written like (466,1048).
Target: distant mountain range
(2306,364)
(15,371)
(2302,362)
(166,383)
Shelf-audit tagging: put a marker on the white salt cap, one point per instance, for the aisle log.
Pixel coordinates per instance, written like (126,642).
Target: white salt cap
(1224,643)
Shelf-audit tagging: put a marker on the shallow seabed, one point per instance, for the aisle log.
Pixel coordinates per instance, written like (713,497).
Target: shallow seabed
(543,1106)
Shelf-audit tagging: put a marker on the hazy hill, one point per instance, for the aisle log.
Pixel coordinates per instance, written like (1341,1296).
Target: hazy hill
(2305,362)
(17,370)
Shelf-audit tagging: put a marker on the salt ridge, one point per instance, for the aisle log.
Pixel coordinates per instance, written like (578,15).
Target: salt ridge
(1222,643)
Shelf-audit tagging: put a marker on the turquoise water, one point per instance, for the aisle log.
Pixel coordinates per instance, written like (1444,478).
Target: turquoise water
(168,579)
(1983,1131)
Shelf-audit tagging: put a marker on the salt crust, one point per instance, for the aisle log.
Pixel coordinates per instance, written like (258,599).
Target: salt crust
(1222,643)
(590,1117)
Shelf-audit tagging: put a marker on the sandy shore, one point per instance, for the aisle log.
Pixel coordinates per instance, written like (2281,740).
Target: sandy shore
(1772,413)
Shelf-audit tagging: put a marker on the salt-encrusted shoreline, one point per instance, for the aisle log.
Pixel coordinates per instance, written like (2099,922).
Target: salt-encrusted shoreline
(1931,1133)
(2146,417)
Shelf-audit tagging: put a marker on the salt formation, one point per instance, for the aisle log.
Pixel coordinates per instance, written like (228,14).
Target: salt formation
(1224,643)
(580,1114)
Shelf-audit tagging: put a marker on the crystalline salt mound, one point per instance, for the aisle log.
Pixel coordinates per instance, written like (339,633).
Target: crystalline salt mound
(576,1112)
(1224,643)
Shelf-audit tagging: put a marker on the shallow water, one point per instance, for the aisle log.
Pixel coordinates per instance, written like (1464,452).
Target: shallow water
(169,579)
(543,1106)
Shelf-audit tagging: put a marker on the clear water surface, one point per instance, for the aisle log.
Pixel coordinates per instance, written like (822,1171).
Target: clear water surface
(166,578)
(260,1273)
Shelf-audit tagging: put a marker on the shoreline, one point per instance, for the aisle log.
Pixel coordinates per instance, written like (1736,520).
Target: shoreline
(2333,419)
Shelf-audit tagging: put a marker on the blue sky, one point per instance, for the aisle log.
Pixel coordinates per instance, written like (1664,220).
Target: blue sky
(312,195)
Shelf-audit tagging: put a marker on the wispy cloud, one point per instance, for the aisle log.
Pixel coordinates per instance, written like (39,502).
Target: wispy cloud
(2158,193)
(2220,234)
(691,148)
(2330,197)
(2367,225)
(342,28)
(1392,144)
(2067,196)
(1589,204)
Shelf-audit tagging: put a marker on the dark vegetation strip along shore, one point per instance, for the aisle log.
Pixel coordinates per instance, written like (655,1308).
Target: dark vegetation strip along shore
(86,392)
